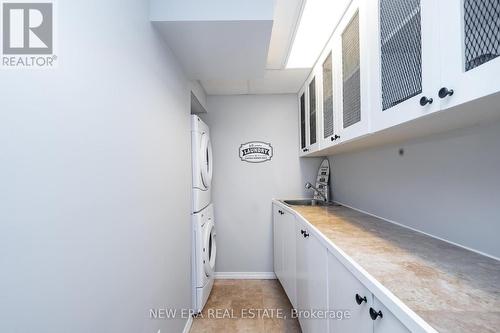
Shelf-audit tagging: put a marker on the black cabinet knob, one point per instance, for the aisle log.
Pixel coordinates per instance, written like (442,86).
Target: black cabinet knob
(424,101)
(443,92)
(360,299)
(335,137)
(302,232)
(374,314)
(305,149)
(306,234)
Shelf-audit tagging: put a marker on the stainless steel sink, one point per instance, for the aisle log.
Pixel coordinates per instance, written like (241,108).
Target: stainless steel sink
(307,202)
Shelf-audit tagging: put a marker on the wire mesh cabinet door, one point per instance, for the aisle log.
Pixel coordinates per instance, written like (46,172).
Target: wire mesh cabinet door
(329,117)
(351,65)
(405,60)
(470,50)
(303,123)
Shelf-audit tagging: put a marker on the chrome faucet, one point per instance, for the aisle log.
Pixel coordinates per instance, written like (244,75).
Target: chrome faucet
(310,186)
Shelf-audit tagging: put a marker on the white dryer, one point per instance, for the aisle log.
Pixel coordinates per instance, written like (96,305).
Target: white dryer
(202,164)
(205,251)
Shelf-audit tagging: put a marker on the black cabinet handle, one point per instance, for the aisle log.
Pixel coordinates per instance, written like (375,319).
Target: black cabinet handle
(335,137)
(443,92)
(305,149)
(374,314)
(302,232)
(306,234)
(360,299)
(424,101)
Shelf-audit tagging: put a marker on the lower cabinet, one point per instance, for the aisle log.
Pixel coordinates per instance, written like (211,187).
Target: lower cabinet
(385,321)
(284,251)
(346,293)
(312,277)
(366,312)
(278,245)
(325,293)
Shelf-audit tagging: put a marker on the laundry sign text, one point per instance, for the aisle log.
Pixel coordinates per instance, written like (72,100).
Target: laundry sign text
(256,152)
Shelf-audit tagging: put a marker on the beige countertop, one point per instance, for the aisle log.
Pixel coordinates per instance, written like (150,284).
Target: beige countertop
(451,288)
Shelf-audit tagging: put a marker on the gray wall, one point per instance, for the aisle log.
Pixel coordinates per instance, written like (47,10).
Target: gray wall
(95,179)
(242,192)
(447,185)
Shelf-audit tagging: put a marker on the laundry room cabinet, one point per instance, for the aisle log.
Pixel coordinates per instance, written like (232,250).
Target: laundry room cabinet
(341,81)
(469,33)
(430,56)
(367,313)
(391,65)
(308,116)
(404,48)
(329,102)
(353,64)
(279,239)
(345,292)
(327,289)
(284,251)
(312,278)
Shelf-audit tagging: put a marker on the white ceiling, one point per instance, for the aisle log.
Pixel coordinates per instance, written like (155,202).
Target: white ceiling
(240,56)
(219,50)
(272,82)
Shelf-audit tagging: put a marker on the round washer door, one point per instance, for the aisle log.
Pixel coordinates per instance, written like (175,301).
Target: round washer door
(206,161)
(209,248)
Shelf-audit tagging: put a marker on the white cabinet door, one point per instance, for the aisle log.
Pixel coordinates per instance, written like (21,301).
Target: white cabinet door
(470,49)
(303,130)
(312,112)
(405,54)
(329,119)
(352,65)
(308,116)
(278,241)
(384,321)
(345,292)
(289,256)
(311,280)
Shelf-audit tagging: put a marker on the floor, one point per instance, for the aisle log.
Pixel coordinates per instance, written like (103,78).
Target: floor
(233,303)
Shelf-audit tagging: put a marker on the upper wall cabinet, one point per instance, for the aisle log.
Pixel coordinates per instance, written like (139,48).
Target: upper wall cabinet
(393,62)
(404,50)
(302,122)
(344,68)
(329,110)
(352,78)
(470,50)
(308,101)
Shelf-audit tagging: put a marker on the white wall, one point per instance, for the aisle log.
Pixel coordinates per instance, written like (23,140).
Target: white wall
(95,179)
(447,185)
(242,191)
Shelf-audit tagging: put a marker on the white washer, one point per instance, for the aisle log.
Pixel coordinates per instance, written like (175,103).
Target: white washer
(202,164)
(205,251)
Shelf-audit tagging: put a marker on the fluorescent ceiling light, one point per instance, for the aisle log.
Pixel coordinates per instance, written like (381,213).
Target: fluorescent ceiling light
(318,19)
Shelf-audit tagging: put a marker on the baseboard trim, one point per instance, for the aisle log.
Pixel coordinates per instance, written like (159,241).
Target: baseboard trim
(187,327)
(245,275)
(420,231)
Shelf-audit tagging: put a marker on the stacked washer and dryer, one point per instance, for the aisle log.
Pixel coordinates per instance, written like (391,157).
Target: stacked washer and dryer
(204,246)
